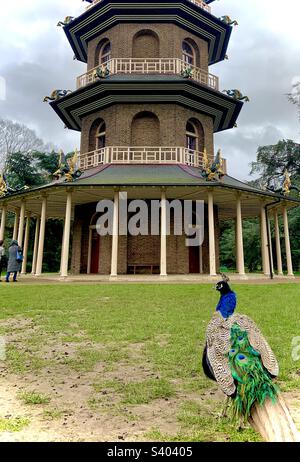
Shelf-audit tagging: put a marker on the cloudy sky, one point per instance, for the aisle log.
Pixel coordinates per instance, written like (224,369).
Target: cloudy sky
(264,61)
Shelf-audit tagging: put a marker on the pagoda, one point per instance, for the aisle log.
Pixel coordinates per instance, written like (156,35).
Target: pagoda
(147,108)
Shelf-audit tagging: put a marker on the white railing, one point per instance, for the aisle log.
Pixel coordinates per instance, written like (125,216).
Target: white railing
(202,5)
(149,66)
(93,4)
(199,3)
(140,155)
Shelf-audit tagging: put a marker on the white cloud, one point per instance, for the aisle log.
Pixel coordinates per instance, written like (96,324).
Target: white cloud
(264,62)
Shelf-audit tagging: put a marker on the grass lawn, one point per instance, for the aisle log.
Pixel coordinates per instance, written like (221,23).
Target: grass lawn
(102,362)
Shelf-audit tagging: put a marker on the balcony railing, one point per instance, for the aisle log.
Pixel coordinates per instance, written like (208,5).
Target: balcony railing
(167,66)
(140,155)
(199,3)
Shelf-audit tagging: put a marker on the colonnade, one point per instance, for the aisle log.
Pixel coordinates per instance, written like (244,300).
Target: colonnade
(23,219)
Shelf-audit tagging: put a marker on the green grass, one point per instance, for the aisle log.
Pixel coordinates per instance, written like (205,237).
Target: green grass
(138,392)
(161,327)
(53,414)
(32,397)
(13,425)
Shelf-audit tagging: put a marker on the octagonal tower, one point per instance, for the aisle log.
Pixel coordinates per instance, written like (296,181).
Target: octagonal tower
(147,99)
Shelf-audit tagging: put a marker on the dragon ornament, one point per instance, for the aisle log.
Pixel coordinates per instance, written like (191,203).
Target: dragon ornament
(212,171)
(67,167)
(237,95)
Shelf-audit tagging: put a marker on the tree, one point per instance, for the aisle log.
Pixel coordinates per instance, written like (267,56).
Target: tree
(21,171)
(17,138)
(294,96)
(272,161)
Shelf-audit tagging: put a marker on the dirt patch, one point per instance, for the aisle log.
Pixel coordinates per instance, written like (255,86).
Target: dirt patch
(78,411)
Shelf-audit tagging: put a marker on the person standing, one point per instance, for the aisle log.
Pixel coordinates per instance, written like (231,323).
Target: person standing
(2,253)
(14,259)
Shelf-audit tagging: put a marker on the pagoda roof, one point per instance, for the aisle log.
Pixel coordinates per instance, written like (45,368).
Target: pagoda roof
(116,175)
(185,14)
(145,182)
(147,89)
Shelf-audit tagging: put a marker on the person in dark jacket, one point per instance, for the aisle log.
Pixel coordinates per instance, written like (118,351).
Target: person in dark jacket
(13,263)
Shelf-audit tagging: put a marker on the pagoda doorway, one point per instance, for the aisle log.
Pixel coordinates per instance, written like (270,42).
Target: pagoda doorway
(95,252)
(195,260)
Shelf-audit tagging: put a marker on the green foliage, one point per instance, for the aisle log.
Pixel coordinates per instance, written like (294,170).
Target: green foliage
(34,168)
(53,414)
(270,165)
(272,160)
(21,170)
(13,424)
(47,163)
(32,397)
(252,251)
(135,393)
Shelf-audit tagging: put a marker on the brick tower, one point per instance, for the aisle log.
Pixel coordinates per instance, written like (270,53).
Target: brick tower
(147,108)
(146,105)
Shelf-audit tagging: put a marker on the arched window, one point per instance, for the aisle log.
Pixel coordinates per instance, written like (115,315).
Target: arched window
(188,53)
(97,136)
(192,136)
(100,136)
(105,52)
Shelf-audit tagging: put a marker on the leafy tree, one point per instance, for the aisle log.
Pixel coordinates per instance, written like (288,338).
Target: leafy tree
(252,250)
(20,170)
(15,137)
(47,163)
(272,160)
(294,96)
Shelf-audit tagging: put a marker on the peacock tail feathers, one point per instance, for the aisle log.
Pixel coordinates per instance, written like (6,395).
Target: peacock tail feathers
(253,382)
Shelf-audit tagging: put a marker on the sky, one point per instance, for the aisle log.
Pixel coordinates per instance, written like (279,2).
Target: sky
(264,62)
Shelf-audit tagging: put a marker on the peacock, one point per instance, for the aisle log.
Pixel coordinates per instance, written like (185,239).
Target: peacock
(238,357)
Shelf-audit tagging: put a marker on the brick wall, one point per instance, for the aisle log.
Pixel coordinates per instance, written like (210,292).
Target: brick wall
(76,247)
(170,38)
(172,125)
(136,250)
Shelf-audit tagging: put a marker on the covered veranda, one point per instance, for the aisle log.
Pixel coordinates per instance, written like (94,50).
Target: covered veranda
(229,197)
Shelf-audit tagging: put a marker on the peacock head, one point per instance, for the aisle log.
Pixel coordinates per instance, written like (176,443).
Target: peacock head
(223,286)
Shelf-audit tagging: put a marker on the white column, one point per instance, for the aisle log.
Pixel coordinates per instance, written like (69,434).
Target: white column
(26,242)
(239,238)
(15,231)
(66,237)
(163,235)
(264,241)
(115,237)
(35,246)
(271,248)
(21,224)
(211,234)
(3,222)
(278,246)
(39,263)
(62,247)
(287,242)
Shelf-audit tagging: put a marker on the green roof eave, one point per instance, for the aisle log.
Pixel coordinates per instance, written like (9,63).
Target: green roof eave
(120,176)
